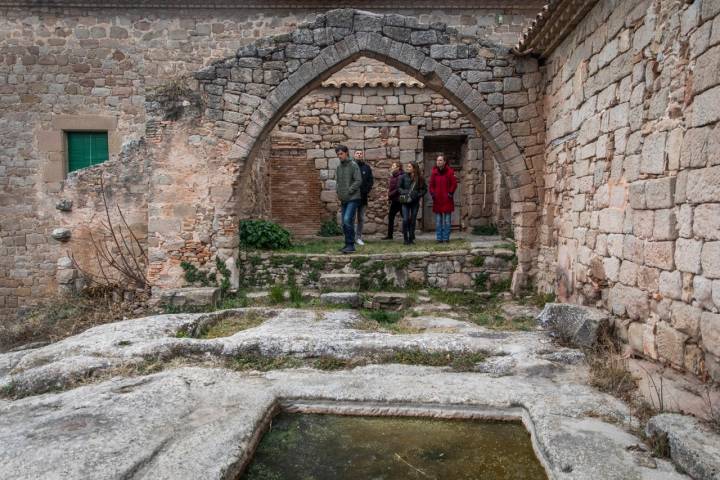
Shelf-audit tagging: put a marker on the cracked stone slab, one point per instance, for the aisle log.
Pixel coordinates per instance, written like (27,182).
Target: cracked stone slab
(295,332)
(194,423)
(693,446)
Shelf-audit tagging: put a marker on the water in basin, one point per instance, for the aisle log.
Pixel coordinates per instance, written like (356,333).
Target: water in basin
(324,447)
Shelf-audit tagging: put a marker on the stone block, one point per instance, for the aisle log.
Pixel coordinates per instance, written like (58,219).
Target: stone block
(515,99)
(61,234)
(191,296)
(444,51)
(636,195)
(301,51)
(611,267)
(687,255)
(611,220)
(660,193)
(648,278)
(703,185)
(633,248)
(710,259)
(460,280)
(710,332)
(694,150)
(692,445)
(341,298)
(670,344)
(512,84)
(578,324)
(642,223)
(618,117)
(630,301)
(340,282)
(706,221)
(423,37)
(706,107)
(628,273)
(670,285)
(66,276)
(702,291)
(686,318)
(664,225)
(653,153)
(408,131)
(399,34)
(367,22)
(660,254)
(636,331)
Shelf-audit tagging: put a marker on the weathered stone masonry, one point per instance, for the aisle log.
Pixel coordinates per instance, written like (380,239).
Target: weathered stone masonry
(246,95)
(96,65)
(389,123)
(614,197)
(631,215)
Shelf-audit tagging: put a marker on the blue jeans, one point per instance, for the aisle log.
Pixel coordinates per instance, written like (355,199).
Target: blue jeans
(348,210)
(443,222)
(409,213)
(360,220)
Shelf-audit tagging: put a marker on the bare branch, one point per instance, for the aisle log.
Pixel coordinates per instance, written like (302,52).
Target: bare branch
(121,258)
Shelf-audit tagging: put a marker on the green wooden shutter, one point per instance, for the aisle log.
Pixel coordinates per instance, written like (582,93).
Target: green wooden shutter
(86,149)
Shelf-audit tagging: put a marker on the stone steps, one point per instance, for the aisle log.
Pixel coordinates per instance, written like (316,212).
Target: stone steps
(341,298)
(340,282)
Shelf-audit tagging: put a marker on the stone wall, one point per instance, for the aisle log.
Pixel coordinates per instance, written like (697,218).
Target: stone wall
(96,66)
(473,269)
(388,124)
(631,217)
(245,96)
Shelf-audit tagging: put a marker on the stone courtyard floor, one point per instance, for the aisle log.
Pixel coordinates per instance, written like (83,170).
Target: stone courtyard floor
(186,396)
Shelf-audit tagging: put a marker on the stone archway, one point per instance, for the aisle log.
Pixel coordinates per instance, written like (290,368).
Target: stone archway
(248,94)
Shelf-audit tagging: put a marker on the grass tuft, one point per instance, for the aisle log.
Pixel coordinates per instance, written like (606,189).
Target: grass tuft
(375,247)
(232,324)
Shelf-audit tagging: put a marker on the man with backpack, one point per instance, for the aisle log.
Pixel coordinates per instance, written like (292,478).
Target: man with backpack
(365,187)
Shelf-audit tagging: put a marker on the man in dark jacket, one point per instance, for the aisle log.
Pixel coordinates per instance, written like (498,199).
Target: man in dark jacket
(365,187)
(396,172)
(348,181)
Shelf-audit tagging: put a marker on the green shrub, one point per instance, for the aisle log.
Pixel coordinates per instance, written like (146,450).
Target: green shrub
(481,279)
(225,272)
(485,230)
(330,228)
(264,235)
(277,294)
(296,295)
(501,286)
(193,275)
(382,316)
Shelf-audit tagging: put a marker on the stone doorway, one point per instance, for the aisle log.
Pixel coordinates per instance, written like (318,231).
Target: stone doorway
(453,148)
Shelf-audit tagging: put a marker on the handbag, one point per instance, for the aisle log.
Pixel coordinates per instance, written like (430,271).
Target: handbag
(407,197)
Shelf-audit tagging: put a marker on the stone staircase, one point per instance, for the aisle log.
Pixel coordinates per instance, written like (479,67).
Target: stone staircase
(340,289)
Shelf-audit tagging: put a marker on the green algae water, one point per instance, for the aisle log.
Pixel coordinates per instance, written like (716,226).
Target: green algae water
(335,447)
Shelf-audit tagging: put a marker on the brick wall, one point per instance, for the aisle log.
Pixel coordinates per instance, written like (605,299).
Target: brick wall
(295,189)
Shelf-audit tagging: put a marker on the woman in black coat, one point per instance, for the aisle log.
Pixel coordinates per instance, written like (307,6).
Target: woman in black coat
(412,189)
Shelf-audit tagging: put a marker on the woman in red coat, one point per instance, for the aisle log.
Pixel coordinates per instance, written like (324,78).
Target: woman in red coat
(442,188)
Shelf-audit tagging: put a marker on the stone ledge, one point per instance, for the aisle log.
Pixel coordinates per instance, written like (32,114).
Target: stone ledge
(693,446)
